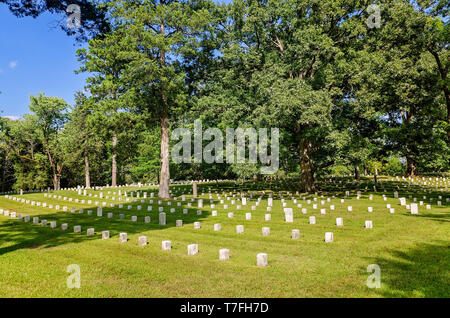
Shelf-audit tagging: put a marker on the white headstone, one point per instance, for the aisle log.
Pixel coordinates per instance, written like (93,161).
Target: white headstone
(328,237)
(224,254)
(261,259)
(192,249)
(123,238)
(142,240)
(162,218)
(288,215)
(166,245)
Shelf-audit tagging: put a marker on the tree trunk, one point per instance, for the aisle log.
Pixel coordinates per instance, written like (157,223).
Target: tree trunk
(365,171)
(447,100)
(410,166)
(194,189)
(56,181)
(54,169)
(307,174)
(357,175)
(59,168)
(5,166)
(86,169)
(375,175)
(164,178)
(114,162)
(443,72)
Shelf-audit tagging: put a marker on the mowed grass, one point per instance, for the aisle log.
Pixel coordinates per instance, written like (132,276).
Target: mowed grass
(413,251)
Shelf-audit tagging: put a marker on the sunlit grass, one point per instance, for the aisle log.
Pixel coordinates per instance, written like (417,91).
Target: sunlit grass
(411,250)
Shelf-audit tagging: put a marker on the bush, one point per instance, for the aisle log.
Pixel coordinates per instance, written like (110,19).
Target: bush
(341,170)
(372,164)
(393,167)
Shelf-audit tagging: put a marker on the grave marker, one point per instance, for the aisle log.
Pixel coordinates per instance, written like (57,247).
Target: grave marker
(261,259)
(123,237)
(328,237)
(166,245)
(224,254)
(192,249)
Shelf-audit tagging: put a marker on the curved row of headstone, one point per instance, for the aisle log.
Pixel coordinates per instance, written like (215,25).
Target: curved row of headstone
(238,206)
(166,245)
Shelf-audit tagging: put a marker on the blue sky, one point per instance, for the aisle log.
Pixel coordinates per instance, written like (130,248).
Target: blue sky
(35,56)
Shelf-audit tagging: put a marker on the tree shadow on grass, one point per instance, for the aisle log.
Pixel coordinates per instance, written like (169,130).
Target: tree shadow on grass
(422,271)
(439,217)
(28,235)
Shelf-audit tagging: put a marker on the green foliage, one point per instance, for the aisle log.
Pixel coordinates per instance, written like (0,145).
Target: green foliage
(30,176)
(341,170)
(342,94)
(393,167)
(373,166)
(146,167)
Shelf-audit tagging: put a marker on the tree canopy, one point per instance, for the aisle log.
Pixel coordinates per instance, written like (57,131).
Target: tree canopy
(348,97)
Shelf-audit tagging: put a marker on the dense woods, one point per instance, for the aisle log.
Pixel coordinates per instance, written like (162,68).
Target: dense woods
(348,99)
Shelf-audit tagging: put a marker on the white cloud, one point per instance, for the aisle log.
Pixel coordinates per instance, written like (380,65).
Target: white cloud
(13,64)
(14,118)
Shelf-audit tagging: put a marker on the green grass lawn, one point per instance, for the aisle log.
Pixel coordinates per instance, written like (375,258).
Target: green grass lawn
(412,251)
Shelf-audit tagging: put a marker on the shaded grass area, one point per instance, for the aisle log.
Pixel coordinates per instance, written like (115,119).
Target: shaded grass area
(421,271)
(411,250)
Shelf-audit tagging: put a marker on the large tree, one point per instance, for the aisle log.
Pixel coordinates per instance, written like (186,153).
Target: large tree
(83,142)
(164,33)
(51,116)
(285,64)
(106,62)
(406,86)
